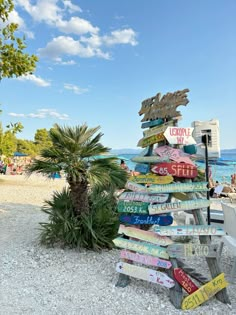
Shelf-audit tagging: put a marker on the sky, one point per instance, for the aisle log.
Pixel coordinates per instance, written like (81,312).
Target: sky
(98,60)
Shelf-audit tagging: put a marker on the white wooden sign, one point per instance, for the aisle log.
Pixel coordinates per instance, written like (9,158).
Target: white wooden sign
(178,135)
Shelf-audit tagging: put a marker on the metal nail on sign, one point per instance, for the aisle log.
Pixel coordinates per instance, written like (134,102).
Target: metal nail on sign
(176,169)
(145,274)
(145,259)
(178,206)
(178,135)
(204,293)
(146,236)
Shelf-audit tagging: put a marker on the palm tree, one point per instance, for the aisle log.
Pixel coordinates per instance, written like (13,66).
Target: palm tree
(74,150)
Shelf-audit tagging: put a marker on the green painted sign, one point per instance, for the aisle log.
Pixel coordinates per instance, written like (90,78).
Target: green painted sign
(133,206)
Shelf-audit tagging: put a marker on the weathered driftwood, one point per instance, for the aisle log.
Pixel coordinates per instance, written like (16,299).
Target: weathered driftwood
(176,293)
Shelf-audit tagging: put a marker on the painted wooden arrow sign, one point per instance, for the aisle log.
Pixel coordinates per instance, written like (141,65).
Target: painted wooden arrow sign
(135,187)
(152,123)
(145,274)
(177,135)
(204,293)
(184,280)
(176,155)
(145,259)
(144,142)
(176,169)
(178,206)
(142,168)
(147,219)
(180,187)
(133,206)
(151,179)
(189,230)
(192,250)
(141,247)
(157,130)
(149,159)
(147,236)
(144,197)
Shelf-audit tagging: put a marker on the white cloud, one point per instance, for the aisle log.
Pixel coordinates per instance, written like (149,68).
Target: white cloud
(59,61)
(42,114)
(71,7)
(34,79)
(75,89)
(65,45)
(76,26)
(125,36)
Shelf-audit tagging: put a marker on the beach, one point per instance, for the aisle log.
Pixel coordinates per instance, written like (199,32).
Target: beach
(39,280)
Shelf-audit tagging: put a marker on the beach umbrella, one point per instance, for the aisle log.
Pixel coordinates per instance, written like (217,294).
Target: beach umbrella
(20,154)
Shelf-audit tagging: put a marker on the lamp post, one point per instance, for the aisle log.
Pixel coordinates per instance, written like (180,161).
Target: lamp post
(205,140)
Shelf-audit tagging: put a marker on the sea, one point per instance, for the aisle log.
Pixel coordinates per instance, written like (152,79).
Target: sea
(221,173)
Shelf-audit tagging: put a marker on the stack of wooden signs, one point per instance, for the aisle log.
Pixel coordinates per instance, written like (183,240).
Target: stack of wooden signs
(147,205)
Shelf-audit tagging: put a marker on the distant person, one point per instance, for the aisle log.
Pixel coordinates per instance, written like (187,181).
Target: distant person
(124,166)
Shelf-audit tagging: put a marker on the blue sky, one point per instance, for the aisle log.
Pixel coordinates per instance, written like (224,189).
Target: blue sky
(98,60)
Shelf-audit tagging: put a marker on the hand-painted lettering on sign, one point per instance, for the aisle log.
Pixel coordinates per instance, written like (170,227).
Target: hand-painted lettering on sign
(189,230)
(176,169)
(192,250)
(180,187)
(184,280)
(177,135)
(147,219)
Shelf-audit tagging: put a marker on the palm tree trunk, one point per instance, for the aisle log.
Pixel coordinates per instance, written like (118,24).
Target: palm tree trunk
(79,195)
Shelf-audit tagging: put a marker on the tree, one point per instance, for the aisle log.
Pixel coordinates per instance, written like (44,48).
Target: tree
(26,146)
(74,150)
(9,144)
(42,138)
(13,60)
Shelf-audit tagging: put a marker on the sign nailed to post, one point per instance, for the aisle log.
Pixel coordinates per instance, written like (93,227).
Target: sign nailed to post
(177,135)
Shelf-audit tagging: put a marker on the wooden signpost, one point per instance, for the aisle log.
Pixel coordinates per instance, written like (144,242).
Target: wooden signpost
(149,159)
(180,187)
(189,230)
(176,169)
(145,274)
(157,130)
(142,168)
(177,135)
(151,179)
(133,206)
(141,247)
(178,206)
(176,155)
(146,219)
(147,236)
(184,280)
(192,250)
(152,123)
(144,197)
(145,259)
(204,293)
(135,187)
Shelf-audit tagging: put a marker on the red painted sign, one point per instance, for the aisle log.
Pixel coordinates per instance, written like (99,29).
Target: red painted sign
(176,169)
(184,280)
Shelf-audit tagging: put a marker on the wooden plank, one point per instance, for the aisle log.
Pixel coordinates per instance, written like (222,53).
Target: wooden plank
(141,247)
(162,107)
(158,129)
(151,179)
(132,206)
(180,187)
(147,219)
(178,135)
(204,293)
(145,274)
(147,236)
(178,206)
(176,155)
(176,169)
(144,142)
(192,250)
(189,230)
(145,197)
(142,168)
(135,187)
(152,123)
(145,259)
(149,159)
(184,280)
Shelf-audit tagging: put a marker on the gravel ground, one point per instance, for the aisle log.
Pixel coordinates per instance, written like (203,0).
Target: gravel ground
(38,280)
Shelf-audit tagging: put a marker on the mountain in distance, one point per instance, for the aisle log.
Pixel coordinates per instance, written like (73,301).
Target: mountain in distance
(126,151)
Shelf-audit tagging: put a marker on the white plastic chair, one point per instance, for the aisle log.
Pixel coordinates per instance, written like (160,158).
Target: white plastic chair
(230,229)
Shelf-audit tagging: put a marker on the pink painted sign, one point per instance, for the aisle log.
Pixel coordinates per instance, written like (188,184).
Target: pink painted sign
(145,259)
(177,135)
(173,154)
